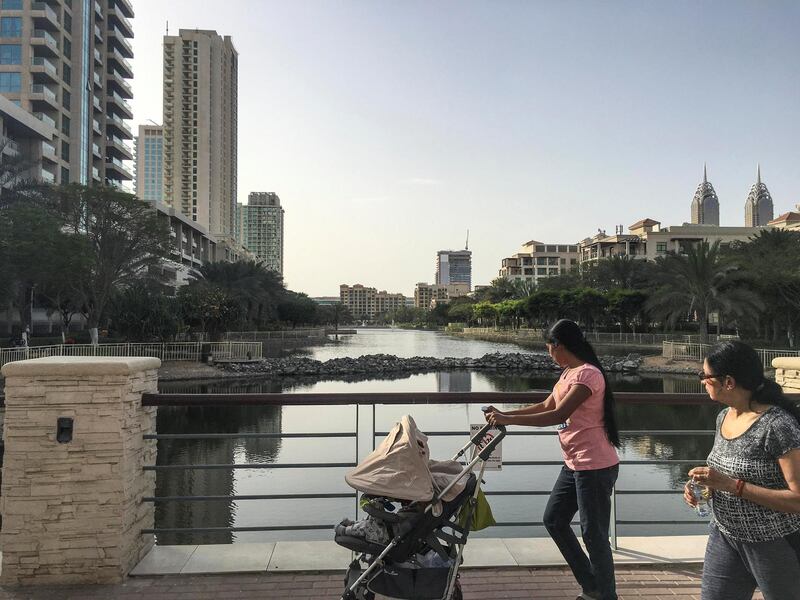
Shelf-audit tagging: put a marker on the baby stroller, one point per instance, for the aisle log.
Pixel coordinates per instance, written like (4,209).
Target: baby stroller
(419,513)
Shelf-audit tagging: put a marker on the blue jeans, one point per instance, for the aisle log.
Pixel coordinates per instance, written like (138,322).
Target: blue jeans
(732,569)
(589,493)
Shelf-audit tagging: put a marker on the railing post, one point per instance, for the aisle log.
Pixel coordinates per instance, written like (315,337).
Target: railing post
(614,518)
(73,477)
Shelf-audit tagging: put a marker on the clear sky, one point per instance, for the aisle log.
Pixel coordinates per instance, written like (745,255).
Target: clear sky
(389,128)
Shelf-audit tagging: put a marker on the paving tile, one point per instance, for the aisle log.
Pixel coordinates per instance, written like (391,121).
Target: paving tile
(534,551)
(309,556)
(229,558)
(486,552)
(164,560)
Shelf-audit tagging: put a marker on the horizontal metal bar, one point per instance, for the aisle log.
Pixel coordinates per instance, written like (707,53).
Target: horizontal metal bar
(680,522)
(225,529)
(250,466)
(370,398)
(235,497)
(554,432)
(229,436)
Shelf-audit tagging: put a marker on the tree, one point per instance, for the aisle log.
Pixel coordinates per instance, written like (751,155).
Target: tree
(209,308)
(126,238)
(619,272)
(460,312)
(626,306)
(485,311)
(139,313)
(543,307)
(256,289)
(698,282)
(500,289)
(297,309)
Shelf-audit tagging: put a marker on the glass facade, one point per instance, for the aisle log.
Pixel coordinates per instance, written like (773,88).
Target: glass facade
(11,27)
(10,82)
(12,4)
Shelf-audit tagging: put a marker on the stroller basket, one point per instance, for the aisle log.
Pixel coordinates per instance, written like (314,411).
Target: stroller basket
(411,584)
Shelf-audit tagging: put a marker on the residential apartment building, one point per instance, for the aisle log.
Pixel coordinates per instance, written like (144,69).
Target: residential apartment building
(365,303)
(758,208)
(25,140)
(647,240)
(427,295)
(454,266)
(789,220)
(66,62)
(149,181)
(262,228)
(536,261)
(705,204)
(200,130)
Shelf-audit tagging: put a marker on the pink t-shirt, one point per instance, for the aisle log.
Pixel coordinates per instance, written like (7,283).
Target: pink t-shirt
(583,438)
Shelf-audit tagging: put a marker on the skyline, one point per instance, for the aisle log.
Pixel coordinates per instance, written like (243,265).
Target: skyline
(389,130)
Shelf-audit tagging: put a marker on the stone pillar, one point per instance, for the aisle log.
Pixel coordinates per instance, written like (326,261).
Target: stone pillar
(72,510)
(787,373)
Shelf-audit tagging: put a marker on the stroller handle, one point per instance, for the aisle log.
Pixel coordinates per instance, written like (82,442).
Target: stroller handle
(479,436)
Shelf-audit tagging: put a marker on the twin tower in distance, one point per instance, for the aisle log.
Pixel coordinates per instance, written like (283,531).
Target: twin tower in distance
(758,209)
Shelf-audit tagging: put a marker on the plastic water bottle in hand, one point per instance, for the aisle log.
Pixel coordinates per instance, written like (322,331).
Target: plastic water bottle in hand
(701,494)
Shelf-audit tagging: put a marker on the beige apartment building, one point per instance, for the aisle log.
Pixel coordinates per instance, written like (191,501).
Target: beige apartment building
(200,124)
(260,227)
(427,295)
(647,240)
(365,303)
(23,138)
(67,64)
(149,166)
(537,260)
(788,220)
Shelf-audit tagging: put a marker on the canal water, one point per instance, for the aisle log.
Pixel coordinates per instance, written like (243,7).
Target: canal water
(649,481)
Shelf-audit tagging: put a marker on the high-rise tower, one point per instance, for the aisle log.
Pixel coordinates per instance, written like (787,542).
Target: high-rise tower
(66,61)
(200,120)
(705,204)
(454,266)
(262,228)
(150,163)
(758,209)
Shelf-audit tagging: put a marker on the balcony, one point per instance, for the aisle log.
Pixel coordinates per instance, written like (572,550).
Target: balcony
(117,39)
(97,79)
(43,16)
(115,58)
(96,150)
(125,7)
(46,119)
(96,127)
(41,94)
(98,10)
(122,128)
(118,148)
(96,175)
(98,35)
(118,82)
(98,106)
(42,39)
(9,147)
(98,58)
(43,71)
(46,176)
(49,152)
(115,169)
(118,18)
(117,105)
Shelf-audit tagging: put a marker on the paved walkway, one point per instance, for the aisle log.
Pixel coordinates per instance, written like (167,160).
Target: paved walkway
(653,583)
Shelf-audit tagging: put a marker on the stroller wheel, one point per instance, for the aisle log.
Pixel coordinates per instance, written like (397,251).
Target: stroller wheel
(362,593)
(457,594)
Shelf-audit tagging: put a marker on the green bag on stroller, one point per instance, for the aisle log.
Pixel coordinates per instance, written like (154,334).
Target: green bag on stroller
(481,515)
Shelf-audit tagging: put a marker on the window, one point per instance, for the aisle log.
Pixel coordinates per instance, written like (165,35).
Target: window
(541,271)
(65,123)
(64,175)
(539,249)
(10,82)
(661,247)
(65,151)
(66,74)
(12,4)
(66,99)
(10,54)
(67,48)
(11,27)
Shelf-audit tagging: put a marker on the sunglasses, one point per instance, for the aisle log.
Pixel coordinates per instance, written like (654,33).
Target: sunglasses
(704,376)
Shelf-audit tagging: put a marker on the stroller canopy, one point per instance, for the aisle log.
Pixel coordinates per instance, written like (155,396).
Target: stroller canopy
(400,467)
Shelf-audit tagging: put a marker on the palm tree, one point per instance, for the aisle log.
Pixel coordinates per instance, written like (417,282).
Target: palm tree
(697,283)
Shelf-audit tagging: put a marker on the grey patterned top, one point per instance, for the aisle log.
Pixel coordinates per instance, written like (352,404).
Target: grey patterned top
(752,456)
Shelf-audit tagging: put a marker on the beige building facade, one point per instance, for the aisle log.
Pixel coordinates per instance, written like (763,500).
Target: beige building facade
(427,295)
(261,224)
(24,139)
(788,220)
(537,260)
(149,166)
(200,129)
(67,63)
(366,303)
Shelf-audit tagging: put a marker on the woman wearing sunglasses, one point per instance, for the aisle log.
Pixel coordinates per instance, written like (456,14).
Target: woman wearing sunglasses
(753,473)
(582,408)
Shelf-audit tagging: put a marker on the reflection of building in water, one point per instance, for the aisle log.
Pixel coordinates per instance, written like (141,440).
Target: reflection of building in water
(455,381)
(208,482)
(682,385)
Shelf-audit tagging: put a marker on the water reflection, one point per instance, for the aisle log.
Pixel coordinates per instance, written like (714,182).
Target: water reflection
(296,419)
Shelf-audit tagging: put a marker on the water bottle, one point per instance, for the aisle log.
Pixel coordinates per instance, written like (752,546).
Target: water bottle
(701,494)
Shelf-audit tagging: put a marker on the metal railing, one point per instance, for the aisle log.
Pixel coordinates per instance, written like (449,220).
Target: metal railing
(170,351)
(370,401)
(601,337)
(693,351)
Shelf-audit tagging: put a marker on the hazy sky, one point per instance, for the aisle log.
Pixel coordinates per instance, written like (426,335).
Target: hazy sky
(390,128)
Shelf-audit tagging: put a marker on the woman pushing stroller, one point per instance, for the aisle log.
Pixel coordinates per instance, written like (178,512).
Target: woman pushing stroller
(582,407)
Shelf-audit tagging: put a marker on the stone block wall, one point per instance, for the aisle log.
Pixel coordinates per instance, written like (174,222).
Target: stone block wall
(787,374)
(73,512)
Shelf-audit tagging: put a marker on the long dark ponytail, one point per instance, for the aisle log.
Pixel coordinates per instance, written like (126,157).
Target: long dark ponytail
(566,333)
(738,360)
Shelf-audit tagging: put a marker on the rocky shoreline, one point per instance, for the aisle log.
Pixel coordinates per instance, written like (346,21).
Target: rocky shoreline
(378,364)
